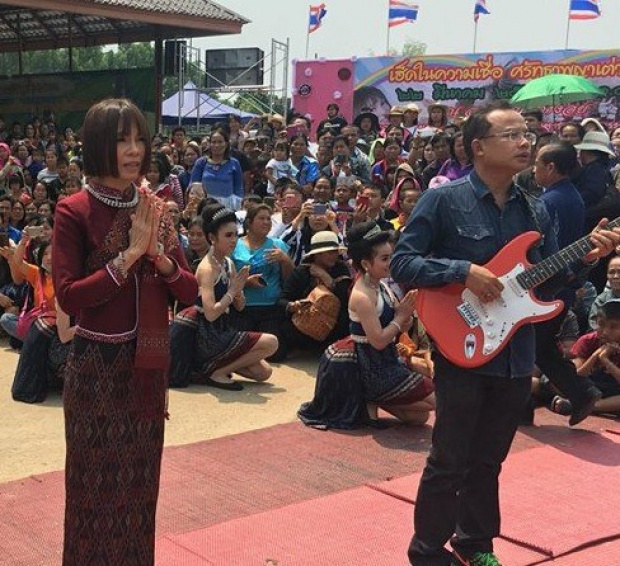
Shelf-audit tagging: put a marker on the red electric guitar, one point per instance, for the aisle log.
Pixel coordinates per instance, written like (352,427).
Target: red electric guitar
(470,333)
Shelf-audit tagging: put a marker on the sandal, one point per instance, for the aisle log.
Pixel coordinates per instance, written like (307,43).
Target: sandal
(561,406)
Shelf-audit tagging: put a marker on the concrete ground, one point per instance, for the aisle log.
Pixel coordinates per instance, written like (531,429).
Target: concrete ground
(32,436)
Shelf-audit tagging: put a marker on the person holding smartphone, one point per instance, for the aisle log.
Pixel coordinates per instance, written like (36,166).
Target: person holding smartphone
(269,267)
(313,217)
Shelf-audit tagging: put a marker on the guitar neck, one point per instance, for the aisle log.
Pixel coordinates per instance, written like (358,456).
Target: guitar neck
(559,261)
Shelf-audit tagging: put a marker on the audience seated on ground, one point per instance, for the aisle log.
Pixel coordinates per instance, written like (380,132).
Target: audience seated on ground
(322,266)
(269,265)
(597,356)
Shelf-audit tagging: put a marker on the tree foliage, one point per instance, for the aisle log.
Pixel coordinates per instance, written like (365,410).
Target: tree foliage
(97,58)
(411,48)
(258,102)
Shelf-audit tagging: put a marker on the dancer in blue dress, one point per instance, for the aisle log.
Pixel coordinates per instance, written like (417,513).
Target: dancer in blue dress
(363,372)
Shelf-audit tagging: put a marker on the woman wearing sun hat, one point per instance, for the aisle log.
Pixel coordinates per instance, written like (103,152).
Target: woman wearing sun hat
(322,265)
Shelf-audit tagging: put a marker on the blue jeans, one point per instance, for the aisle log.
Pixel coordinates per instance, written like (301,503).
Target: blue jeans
(8,321)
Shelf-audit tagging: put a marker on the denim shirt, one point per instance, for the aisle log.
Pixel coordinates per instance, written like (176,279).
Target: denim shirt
(457,224)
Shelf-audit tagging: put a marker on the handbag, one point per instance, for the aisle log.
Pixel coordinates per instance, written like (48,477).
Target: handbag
(317,314)
(27,316)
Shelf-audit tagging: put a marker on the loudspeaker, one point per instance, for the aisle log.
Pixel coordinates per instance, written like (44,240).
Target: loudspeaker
(174,56)
(226,65)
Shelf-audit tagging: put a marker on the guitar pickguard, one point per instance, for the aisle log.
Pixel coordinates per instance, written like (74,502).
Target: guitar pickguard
(497,318)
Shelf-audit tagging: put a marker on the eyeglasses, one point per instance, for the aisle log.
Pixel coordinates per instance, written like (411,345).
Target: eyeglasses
(513,136)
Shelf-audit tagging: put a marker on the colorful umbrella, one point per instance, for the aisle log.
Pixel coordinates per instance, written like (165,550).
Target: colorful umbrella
(551,90)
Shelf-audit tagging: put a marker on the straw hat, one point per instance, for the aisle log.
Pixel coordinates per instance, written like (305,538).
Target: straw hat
(596,141)
(396,111)
(324,241)
(277,118)
(411,107)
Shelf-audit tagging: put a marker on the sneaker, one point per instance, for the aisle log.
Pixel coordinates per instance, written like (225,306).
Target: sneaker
(478,559)
(584,410)
(561,406)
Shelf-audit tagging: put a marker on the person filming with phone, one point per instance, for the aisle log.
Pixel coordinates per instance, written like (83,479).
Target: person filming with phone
(313,217)
(270,266)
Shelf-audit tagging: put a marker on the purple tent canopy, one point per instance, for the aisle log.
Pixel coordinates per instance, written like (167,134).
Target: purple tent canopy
(197,107)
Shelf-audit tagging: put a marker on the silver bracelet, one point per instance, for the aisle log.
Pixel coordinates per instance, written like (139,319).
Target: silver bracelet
(121,264)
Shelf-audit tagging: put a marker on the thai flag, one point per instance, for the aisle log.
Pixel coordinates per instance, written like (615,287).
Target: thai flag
(584,9)
(317,13)
(401,13)
(480,8)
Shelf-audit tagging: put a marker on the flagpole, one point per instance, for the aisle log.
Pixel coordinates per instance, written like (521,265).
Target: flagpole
(308,31)
(568,26)
(475,35)
(387,49)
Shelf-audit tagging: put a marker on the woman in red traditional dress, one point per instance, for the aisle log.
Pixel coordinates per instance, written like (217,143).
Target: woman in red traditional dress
(116,261)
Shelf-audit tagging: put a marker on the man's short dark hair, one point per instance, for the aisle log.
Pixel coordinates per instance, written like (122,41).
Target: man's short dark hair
(534,114)
(178,129)
(477,125)
(102,125)
(563,155)
(438,138)
(333,106)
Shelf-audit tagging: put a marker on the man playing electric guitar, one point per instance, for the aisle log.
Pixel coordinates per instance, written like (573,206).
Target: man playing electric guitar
(453,231)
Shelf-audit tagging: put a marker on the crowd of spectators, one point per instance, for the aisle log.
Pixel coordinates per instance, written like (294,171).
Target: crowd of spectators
(291,189)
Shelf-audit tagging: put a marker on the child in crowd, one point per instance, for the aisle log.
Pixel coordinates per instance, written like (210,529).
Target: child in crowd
(37,165)
(158,174)
(597,356)
(72,185)
(279,167)
(611,291)
(50,172)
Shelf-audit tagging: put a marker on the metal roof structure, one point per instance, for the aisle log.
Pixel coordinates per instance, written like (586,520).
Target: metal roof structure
(27,25)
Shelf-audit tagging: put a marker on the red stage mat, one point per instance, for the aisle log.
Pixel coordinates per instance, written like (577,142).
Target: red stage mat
(354,527)
(605,554)
(559,498)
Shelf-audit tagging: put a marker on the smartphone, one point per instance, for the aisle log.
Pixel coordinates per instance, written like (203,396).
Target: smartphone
(319,209)
(34,231)
(4,240)
(362,201)
(292,201)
